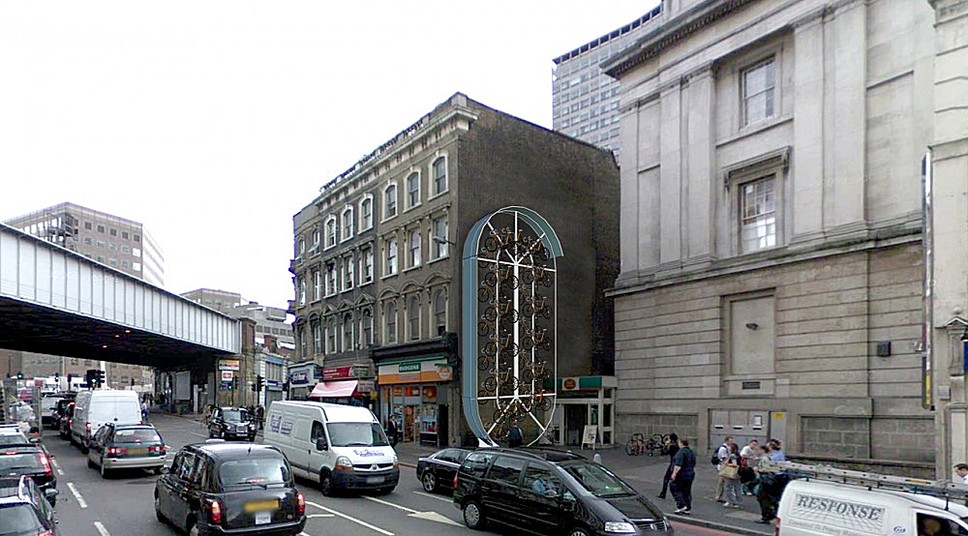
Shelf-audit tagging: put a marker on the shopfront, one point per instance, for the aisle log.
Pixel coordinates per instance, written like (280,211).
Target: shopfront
(302,379)
(583,402)
(414,394)
(351,385)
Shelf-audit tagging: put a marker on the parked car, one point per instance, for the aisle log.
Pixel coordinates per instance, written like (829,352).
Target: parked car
(94,409)
(29,460)
(23,509)
(127,446)
(66,418)
(438,470)
(232,423)
(545,491)
(341,447)
(230,488)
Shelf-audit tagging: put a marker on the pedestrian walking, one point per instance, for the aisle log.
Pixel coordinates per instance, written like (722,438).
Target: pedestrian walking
(515,435)
(260,415)
(672,447)
(392,432)
(748,457)
(144,411)
(683,474)
(722,454)
(730,475)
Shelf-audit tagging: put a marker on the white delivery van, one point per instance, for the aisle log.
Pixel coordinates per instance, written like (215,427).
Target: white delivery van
(810,507)
(341,447)
(92,409)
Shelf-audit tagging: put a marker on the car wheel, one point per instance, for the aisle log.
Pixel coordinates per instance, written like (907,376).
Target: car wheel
(158,514)
(104,469)
(429,481)
(577,532)
(473,515)
(326,484)
(90,463)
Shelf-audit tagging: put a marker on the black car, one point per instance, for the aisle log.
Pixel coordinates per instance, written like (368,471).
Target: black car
(232,423)
(126,446)
(230,488)
(30,460)
(48,408)
(547,491)
(438,470)
(23,510)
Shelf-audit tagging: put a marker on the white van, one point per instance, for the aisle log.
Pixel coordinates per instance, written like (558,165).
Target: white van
(92,409)
(341,447)
(810,507)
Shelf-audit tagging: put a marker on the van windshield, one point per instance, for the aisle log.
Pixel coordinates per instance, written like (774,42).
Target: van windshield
(598,480)
(357,434)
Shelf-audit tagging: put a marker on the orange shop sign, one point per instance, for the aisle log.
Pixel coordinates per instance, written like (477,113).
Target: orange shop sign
(414,372)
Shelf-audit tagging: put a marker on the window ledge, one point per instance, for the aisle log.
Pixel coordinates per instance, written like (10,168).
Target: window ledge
(754,128)
(412,268)
(438,259)
(411,207)
(441,194)
(364,284)
(346,239)
(388,218)
(388,276)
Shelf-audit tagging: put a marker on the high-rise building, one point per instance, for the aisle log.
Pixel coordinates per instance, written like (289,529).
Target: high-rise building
(269,321)
(116,242)
(585,100)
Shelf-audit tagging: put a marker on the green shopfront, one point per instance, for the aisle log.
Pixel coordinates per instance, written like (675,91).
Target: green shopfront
(585,401)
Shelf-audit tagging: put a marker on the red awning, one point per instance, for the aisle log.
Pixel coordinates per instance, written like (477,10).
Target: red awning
(336,389)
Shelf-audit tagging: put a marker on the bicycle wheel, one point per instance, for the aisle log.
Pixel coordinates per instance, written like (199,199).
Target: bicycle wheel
(632,447)
(489,385)
(484,363)
(484,294)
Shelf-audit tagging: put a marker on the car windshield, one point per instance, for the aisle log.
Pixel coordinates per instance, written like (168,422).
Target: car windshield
(598,480)
(14,461)
(235,415)
(13,438)
(137,435)
(19,520)
(253,471)
(357,434)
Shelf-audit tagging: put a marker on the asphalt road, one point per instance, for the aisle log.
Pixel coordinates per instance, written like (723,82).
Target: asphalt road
(122,505)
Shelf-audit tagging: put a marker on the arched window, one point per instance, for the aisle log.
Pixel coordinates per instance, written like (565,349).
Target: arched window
(440,175)
(390,320)
(331,334)
(367,325)
(317,328)
(390,201)
(366,213)
(348,342)
(413,190)
(348,223)
(413,319)
(440,311)
(331,231)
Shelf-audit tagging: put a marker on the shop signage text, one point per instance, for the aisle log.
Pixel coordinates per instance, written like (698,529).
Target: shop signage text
(228,364)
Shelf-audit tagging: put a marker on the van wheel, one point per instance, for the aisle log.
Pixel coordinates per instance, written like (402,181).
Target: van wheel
(326,484)
(577,532)
(473,515)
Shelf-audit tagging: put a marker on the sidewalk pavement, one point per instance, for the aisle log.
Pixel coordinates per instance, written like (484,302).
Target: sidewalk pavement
(645,474)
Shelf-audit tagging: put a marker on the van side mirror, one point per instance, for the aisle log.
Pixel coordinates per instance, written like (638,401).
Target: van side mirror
(321,443)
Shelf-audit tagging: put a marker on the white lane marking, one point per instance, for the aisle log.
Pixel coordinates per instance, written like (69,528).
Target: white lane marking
(100,528)
(77,495)
(57,466)
(388,503)
(438,497)
(314,516)
(353,519)
(429,516)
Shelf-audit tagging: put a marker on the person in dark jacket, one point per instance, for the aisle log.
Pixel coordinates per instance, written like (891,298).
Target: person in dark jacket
(769,489)
(392,432)
(683,473)
(672,447)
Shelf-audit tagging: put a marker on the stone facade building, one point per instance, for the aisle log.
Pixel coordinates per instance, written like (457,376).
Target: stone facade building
(772,268)
(377,267)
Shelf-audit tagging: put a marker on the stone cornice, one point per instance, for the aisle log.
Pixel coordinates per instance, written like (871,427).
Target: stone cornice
(671,33)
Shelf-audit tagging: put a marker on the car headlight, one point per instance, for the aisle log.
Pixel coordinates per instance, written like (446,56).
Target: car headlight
(619,527)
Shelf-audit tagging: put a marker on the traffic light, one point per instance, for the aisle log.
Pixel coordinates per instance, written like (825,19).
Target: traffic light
(100,378)
(259,382)
(69,378)
(20,375)
(252,386)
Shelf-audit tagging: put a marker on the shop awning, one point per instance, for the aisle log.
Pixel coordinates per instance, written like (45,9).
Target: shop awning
(334,389)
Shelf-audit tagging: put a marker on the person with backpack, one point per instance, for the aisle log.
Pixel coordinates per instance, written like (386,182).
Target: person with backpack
(719,459)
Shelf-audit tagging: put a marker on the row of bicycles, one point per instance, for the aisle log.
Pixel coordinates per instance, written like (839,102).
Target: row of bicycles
(654,445)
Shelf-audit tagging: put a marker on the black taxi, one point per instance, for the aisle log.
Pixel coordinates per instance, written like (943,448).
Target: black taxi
(230,488)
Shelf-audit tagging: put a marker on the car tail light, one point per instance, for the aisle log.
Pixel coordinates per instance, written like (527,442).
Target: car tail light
(70,422)
(215,512)
(115,451)
(301,503)
(46,463)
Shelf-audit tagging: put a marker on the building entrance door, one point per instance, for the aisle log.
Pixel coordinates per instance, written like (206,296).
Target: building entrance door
(576,417)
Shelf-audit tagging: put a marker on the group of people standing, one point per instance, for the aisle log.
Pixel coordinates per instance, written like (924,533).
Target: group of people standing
(738,470)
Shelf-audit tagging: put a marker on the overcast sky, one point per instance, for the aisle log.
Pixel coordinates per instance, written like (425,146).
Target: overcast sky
(214,122)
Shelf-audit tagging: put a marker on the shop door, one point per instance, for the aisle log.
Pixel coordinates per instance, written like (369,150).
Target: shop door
(576,416)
